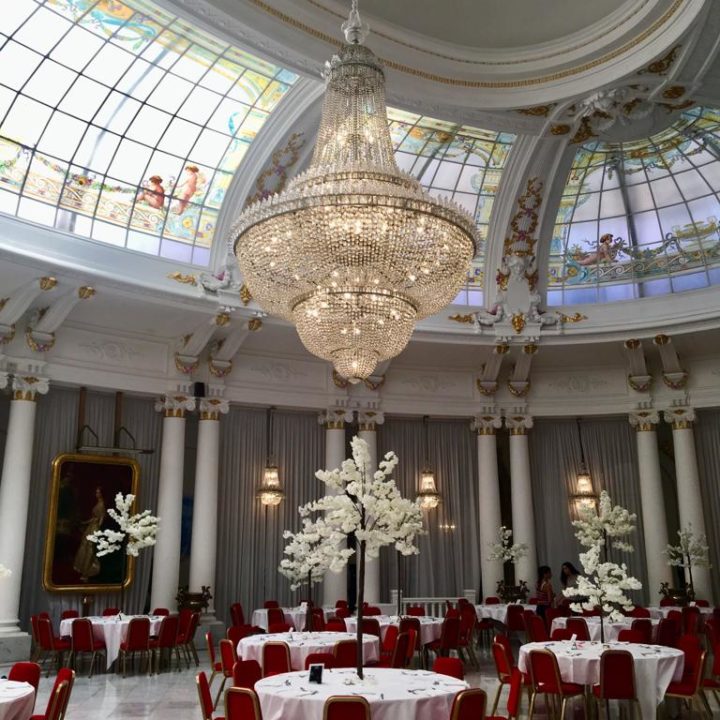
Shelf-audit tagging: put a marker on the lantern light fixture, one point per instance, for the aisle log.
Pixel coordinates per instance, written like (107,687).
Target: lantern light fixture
(270,491)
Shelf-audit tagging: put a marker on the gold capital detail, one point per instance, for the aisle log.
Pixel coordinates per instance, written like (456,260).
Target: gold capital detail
(245,294)
(86,292)
(47,283)
(222,319)
(254,324)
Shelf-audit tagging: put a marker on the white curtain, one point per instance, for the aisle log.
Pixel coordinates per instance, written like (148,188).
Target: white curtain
(250,541)
(611,458)
(449,560)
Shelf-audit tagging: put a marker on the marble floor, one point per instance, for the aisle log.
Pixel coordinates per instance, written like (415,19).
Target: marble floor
(172,695)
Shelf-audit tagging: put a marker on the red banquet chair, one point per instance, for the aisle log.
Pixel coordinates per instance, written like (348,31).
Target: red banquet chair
(246,673)
(617,679)
(416,610)
(28,672)
(536,630)
(690,620)
(275,658)
(271,604)
(515,619)
(186,636)
(215,664)
(228,658)
(275,616)
(559,634)
(503,666)
(371,610)
(466,642)
(49,644)
(320,658)
(166,643)
(388,643)
(578,627)
(341,604)
(449,666)
(336,624)
(513,702)
(370,626)
(237,616)
(346,707)
(668,633)
(69,614)
(345,653)
(643,626)
(83,641)
(639,612)
(317,620)
(492,600)
(342,612)
(545,680)
(205,697)
(160,612)
(59,697)
(690,688)
(631,636)
(110,611)
(242,704)
(400,652)
(469,705)
(137,640)
(449,637)
(279,628)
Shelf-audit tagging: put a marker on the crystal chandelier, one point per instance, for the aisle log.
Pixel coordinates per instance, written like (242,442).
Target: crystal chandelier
(270,491)
(428,495)
(353,251)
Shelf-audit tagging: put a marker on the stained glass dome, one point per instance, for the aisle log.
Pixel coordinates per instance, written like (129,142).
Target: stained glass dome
(457,161)
(123,123)
(640,218)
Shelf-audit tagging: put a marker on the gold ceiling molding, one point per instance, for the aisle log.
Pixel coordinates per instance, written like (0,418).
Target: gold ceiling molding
(673,92)
(183,279)
(537,111)
(476,84)
(663,64)
(561,129)
(463,319)
(465,61)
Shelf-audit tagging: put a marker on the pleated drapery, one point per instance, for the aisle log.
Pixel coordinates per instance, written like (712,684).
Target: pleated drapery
(449,560)
(611,458)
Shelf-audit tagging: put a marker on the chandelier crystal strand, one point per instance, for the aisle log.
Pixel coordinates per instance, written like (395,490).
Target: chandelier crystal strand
(354,251)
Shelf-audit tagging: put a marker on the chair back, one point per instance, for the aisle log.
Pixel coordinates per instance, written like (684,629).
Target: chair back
(271,604)
(210,643)
(578,626)
(639,612)
(69,614)
(319,658)
(400,651)
(236,633)
(160,612)
(25,671)
(58,702)
(275,658)
(712,630)
(341,603)
(82,635)
(345,653)
(246,673)
(450,634)
(536,630)
(451,666)
(167,635)
(515,620)
(242,704)
(278,628)
(346,707)
(617,675)
(513,703)
(192,627)
(34,629)
(275,616)
(411,623)
(492,600)
(371,610)
(691,620)
(237,616)
(544,671)
(667,632)
(416,610)
(138,635)
(469,705)
(228,657)
(667,602)
(643,626)
(631,636)
(204,696)
(184,620)
(551,614)
(46,639)
(388,642)
(370,626)
(336,624)
(411,645)
(702,603)
(560,634)
(342,612)
(110,611)
(676,617)
(317,620)
(694,668)
(502,663)
(504,640)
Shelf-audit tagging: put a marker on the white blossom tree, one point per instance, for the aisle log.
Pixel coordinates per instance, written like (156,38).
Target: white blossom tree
(368,505)
(691,551)
(505,551)
(604,583)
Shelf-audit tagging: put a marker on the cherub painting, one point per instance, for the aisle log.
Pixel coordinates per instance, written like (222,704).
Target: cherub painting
(186,188)
(606,252)
(153,193)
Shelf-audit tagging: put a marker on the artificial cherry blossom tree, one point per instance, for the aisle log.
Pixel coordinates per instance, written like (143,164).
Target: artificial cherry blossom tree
(603,583)
(368,505)
(505,552)
(691,551)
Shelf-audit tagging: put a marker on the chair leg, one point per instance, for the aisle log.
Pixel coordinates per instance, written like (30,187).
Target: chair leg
(497,698)
(177,657)
(93,655)
(222,686)
(194,652)
(705,702)
(531,709)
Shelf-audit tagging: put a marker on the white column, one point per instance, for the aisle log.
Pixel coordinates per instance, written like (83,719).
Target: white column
(652,500)
(367,430)
(690,506)
(203,550)
(523,515)
(335,583)
(15,494)
(489,498)
(166,553)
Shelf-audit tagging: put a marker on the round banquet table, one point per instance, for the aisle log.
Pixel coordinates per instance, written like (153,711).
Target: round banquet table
(612,629)
(655,666)
(112,630)
(497,611)
(392,694)
(657,613)
(17,700)
(302,644)
(430,627)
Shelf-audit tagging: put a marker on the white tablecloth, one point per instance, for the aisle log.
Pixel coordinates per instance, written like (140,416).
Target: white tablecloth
(392,694)
(612,629)
(662,612)
(112,630)
(16,700)
(430,628)
(296,616)
(497,612)
(655,666)
(302,644)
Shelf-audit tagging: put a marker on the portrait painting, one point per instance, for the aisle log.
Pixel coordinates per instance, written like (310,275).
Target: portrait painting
(82,490)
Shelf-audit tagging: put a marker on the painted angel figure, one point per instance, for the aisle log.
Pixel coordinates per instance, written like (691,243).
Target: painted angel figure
(606,252)
(187,188)
(152,193)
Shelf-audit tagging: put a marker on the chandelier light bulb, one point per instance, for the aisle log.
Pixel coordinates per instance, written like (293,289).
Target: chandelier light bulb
(366,251)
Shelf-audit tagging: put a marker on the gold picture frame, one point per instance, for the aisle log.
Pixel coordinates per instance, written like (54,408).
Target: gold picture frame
(82,487)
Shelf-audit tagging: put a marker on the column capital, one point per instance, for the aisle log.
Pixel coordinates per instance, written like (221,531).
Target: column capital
(28,387)
(487,423)
(518,424)
(334,418)
(368,420)
(175,405)
(212,408)
(681,417)
(644,420)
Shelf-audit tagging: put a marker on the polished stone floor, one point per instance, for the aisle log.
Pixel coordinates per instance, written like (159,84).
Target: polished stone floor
(172,695)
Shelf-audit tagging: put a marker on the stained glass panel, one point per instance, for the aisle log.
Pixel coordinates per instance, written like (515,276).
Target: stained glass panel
(123,123)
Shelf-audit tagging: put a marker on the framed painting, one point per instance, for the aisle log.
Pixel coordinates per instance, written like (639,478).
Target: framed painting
(82,489)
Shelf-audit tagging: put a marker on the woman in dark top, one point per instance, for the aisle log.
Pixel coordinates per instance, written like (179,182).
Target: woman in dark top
(544,590)
(568,575)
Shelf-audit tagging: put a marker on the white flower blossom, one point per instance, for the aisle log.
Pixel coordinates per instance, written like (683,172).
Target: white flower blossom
(137,531)
(4,572)
(502,549)
(691,551)
(597,526)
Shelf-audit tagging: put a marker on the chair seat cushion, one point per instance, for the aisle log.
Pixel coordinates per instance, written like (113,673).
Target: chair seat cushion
(62,644)
(565,688)
(711,683)
(683,687)
(124,647)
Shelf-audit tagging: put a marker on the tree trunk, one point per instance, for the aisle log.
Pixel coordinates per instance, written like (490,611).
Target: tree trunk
(308,609)
(399,586)
(360,600)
